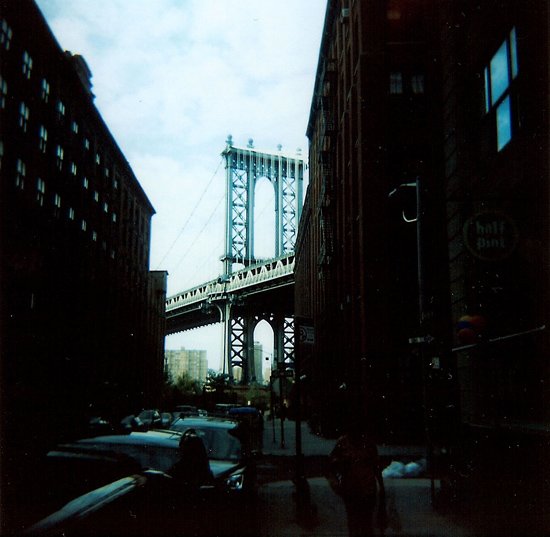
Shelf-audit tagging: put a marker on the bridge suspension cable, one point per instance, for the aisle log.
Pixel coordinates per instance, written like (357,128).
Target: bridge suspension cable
(200,232)
(190,216)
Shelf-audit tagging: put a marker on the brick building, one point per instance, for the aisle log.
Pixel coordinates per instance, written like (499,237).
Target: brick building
(82,316)
(374,125)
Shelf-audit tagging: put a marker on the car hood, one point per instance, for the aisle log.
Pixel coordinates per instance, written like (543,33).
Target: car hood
(221,469)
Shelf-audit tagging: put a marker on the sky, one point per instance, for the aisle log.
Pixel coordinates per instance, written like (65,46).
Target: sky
(171,79)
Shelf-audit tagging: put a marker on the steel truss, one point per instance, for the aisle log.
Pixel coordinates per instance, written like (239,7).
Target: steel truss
(244,167)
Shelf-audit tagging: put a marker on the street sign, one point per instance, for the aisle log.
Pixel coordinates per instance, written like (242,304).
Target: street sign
(282,373)
(307,335)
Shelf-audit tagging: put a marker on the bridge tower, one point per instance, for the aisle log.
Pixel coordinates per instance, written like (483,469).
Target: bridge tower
(244,167)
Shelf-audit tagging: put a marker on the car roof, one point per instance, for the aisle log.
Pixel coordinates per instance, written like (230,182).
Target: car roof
(149,438)
(218,423)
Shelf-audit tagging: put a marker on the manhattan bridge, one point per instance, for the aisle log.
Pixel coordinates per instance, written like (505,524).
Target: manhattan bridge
(249,290)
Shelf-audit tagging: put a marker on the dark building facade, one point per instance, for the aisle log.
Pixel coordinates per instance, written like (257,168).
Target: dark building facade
(438,329)
(82,316)
(496,97)
(374,126)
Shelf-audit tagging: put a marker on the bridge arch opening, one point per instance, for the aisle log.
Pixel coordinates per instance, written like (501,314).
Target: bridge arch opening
(263,351)
(264,219)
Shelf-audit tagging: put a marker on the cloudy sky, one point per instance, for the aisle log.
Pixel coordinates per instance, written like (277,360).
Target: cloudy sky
(172,78)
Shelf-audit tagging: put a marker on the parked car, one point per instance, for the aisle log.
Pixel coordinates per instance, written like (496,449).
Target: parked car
(230,451)
(131,423)
(186,410)
(151,419)
(166,419)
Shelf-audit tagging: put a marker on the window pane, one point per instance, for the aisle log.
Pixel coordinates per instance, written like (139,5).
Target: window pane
(504,124)
(499,73)
(513,53)
(396,83)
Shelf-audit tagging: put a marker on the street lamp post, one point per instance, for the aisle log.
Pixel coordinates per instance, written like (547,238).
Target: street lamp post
(422,317)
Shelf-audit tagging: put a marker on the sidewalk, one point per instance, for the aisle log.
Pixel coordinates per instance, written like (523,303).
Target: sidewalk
(409,498)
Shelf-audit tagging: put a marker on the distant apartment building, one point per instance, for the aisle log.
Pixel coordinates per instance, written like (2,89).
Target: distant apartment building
(191,362)
(82,317)
(258,362)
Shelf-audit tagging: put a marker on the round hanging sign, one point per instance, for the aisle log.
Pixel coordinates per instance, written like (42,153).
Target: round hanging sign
(491,236)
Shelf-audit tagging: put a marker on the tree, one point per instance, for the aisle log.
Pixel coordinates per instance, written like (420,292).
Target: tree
(187,386)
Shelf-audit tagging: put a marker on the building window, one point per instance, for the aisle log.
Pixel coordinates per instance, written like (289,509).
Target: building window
(83,225)
(499,78)
(23,116)
(59,157)
(5,35)
(94,236)
(73,168)
(43,138)
(3,92)
(1,152)
(61,108)
(396,83)
(113,217)
(417,84)
(105,207)
(85,183)
(74,127)
(115,184)
(86,143)
(57,201)
(71,213)
(21,171)
(27,65)
(97,158)
(40,191)
(45,90)
(106,172)
(96,195)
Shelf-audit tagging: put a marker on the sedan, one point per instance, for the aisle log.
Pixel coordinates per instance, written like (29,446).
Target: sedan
(229,449)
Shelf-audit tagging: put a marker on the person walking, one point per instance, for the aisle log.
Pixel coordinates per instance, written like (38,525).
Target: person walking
(355,471)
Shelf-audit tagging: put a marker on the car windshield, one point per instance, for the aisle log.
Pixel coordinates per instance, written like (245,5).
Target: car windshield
(220,444)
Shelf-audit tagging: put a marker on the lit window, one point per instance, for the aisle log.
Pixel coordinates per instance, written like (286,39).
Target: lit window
(61,108)
(27,65)
(113,218)
(96,195)
(1,152)
(396,83)
(43,138)
(85,183)
(57,200)
(59,157)
(74,127)
(73,168)
(105,207)
(45,91)
(5,35)
(499,76)
(106,172)
(94,236)
(97,158)
(23,116)
(71,213)
(83,225)
(3,92)
(115,184)
(20,174)
(40,191)
(86,143)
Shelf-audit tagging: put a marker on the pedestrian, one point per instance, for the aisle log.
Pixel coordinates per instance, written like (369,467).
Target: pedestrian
(355,470)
